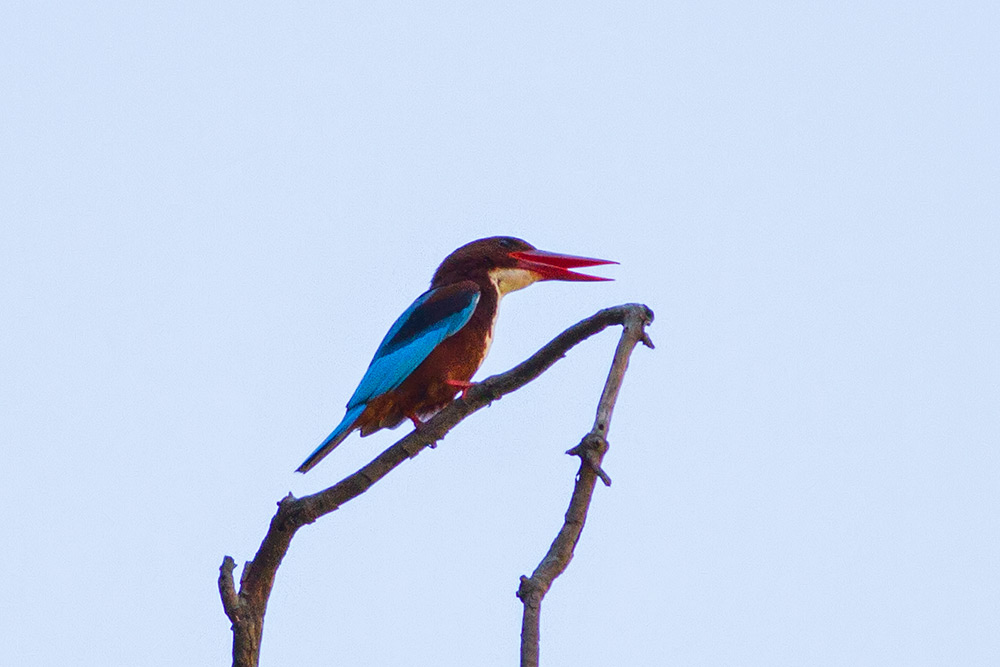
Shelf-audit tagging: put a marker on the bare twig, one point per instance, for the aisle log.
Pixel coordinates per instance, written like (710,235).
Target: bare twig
(246,608)
(591,451)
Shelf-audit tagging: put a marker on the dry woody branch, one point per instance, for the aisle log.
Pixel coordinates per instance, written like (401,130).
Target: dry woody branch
(247,606)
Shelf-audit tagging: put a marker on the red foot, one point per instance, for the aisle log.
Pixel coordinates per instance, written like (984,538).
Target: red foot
(464,386)
(417,425)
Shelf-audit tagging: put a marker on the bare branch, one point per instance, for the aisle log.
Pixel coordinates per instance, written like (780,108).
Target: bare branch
(246,609)
(230,601)
(591,451)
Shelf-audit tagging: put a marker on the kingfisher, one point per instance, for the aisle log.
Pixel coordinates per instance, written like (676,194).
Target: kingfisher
(435,347)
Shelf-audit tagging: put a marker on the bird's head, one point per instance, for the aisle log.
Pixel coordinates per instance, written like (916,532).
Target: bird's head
(511,264)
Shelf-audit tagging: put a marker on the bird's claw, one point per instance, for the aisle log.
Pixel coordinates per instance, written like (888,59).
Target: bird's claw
(418,427)
(460,384)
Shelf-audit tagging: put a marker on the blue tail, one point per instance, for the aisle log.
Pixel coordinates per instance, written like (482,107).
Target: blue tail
(343,429)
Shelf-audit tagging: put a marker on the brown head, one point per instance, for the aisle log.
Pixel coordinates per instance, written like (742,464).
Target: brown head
(511,264)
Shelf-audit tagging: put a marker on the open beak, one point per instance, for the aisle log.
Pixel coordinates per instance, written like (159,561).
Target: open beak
(555,266)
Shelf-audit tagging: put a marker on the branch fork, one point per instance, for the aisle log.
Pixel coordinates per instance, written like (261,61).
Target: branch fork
(591,451)
(246,608)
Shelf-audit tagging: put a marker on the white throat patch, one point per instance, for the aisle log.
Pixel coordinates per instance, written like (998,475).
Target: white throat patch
(511,280)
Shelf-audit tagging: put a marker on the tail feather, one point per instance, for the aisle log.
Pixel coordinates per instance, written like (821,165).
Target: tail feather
(343,430)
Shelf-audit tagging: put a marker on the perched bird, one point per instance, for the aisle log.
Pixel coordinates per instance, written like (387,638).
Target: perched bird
(432,351)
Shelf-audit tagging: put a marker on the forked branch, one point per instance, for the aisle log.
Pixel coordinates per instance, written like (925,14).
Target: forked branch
(246,608)
(591,451)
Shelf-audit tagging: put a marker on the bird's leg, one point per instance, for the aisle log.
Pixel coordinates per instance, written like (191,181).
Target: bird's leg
(461,384)
(418,426)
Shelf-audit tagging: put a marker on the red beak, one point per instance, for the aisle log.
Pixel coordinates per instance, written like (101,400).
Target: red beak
(555,266)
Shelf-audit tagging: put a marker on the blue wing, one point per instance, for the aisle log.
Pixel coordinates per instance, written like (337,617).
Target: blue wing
(435,315)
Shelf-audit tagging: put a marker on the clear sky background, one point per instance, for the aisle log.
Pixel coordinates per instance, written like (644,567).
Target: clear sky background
(212,212)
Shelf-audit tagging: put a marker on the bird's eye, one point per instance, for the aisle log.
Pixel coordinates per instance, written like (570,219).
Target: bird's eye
(506,243)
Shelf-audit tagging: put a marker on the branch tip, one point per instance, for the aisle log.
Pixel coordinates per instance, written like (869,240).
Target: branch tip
(227,589)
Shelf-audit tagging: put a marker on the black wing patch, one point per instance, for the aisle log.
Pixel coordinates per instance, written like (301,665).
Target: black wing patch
(446,303)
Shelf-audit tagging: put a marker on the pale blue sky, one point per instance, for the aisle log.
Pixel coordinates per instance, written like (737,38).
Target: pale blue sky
(212,213)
